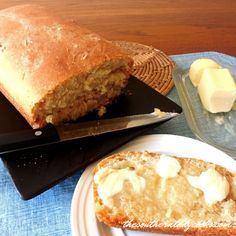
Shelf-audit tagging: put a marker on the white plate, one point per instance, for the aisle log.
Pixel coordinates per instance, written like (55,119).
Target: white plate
(83,219)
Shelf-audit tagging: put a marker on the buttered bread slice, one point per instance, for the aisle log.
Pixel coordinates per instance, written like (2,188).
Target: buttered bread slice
(161,193)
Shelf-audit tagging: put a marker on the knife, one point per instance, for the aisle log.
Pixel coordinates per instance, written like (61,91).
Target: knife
(51,134)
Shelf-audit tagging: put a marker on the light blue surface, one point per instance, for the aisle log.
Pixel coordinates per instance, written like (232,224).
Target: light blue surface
(49,213)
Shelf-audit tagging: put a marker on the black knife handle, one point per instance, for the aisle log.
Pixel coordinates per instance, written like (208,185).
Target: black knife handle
(28,138)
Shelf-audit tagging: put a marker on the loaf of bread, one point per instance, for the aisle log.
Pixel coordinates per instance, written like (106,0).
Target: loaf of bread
(53,70)
(165,194)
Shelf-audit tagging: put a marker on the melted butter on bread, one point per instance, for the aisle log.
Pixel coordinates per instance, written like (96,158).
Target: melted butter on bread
(111,181)
(214,186)
(167,166)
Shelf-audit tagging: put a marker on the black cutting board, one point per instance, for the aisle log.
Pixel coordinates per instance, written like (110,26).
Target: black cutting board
(37,169)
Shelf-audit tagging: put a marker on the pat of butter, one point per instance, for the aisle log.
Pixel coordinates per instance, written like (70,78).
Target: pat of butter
(158,112)
(214,186)
(197,68)
(167,166)
(217,90)
(110,182)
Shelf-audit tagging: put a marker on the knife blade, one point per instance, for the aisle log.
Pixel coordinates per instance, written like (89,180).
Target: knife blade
(51,134)
(92,128)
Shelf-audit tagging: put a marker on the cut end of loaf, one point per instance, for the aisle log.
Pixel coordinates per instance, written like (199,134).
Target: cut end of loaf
(82,94)
(167,205)
(57,71)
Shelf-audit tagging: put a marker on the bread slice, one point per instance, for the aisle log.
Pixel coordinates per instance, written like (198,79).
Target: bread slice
(53,70)
(164,205)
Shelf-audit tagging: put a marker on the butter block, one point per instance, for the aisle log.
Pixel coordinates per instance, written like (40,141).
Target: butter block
(197,68)
(217,90)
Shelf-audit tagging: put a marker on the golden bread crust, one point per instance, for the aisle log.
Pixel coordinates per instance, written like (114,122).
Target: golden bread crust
(40,52)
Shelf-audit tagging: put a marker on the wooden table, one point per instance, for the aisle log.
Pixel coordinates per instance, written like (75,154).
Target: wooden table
(174,27)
